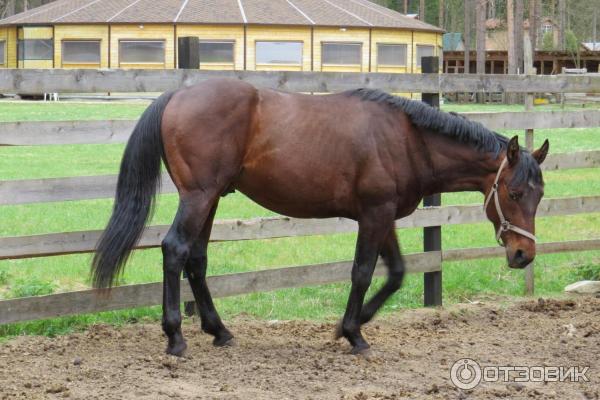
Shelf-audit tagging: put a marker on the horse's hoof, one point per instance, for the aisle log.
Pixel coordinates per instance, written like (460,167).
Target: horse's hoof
(177,350)
(338,333)
(224,341)
(363,350)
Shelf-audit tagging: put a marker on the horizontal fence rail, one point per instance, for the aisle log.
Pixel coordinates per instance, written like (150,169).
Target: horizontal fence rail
(30,191)
(150,294)
(278,227)
(142,295)
(28,81)
(118,131)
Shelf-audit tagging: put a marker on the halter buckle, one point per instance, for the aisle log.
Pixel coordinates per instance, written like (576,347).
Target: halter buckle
(505,226)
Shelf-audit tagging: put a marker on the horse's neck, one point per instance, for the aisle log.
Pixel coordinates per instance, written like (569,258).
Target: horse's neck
(458,167)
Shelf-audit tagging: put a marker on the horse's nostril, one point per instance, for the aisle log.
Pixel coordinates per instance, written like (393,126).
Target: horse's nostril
(519,255)
(520,259)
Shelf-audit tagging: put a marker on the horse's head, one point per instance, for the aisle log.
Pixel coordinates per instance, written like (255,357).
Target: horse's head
(512,198)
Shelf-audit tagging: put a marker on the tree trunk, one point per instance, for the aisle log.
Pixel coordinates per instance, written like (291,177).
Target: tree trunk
(422,10)
(441,14)
(10,8)
(480,18)
(405,6)
(519,10)
(562,22)
(534,22)
(510,19)
(481,14)
(467,39)
(491,13)
(540,34)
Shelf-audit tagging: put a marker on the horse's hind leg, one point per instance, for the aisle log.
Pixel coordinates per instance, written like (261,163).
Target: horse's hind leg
(390,252)
(195,268)
(194,209)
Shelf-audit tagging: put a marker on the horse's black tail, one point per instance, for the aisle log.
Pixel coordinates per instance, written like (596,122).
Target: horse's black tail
(139,180)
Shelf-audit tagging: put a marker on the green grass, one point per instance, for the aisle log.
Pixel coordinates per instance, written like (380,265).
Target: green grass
(11,111)
(463,280)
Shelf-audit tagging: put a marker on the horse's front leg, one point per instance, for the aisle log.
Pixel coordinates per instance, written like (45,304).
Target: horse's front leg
(390,252)
(373,228)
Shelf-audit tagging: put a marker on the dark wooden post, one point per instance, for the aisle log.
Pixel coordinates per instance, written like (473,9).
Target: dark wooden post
(432,240)
(188,58)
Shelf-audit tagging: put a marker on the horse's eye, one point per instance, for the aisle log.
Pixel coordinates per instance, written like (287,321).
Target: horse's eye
(515,195)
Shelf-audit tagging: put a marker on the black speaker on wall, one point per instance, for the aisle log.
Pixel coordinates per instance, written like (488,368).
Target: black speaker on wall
(188,52)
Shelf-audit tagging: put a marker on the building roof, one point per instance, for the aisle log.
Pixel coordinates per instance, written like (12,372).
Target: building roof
(347,13)
(453,41)
(591,46)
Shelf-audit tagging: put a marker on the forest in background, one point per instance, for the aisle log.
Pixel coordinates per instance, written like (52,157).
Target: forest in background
(578,17)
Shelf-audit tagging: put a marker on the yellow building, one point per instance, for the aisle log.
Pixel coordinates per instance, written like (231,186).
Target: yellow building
(295,35)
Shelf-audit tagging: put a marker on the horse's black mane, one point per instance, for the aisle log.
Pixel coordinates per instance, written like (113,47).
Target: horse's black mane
(454,126)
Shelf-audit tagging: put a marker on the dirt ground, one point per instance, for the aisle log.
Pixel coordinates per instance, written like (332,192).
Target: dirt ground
(413,352)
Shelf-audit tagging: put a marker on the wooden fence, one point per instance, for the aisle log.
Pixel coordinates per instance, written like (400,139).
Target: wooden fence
(79,188)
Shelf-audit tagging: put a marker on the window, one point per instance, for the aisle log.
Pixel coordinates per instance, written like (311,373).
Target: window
(391,54)
(2,52)
(216,52)
(149,51)
(342,53)
(546,28)
(36,49)
(288,53)
(424,51)
(81,51)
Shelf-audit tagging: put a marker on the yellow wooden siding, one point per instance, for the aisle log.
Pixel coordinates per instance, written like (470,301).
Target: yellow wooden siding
(283,34)
(35,32)
(80,32)
(142,32)
(233,33)
(390,36)
(11,47)
(349,35)
(424,39)
(36,64)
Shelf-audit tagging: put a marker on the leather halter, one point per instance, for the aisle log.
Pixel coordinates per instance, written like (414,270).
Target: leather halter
(505,224)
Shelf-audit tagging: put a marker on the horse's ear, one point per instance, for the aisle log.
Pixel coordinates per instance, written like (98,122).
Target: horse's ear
(541,153)
(513,151)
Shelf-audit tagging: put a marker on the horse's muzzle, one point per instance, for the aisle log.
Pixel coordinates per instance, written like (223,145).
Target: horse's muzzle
(519,259)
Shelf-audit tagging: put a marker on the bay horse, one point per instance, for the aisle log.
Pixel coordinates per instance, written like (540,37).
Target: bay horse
(361,154)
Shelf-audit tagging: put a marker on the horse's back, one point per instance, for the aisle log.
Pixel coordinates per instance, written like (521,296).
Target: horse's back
(299,155)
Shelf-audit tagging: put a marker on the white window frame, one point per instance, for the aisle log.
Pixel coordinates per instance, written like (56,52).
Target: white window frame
(62,49)
(295,63)
(405,45)
(162,41)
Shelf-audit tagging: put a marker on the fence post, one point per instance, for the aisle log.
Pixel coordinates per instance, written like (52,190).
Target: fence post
(432,236)
(529,99)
